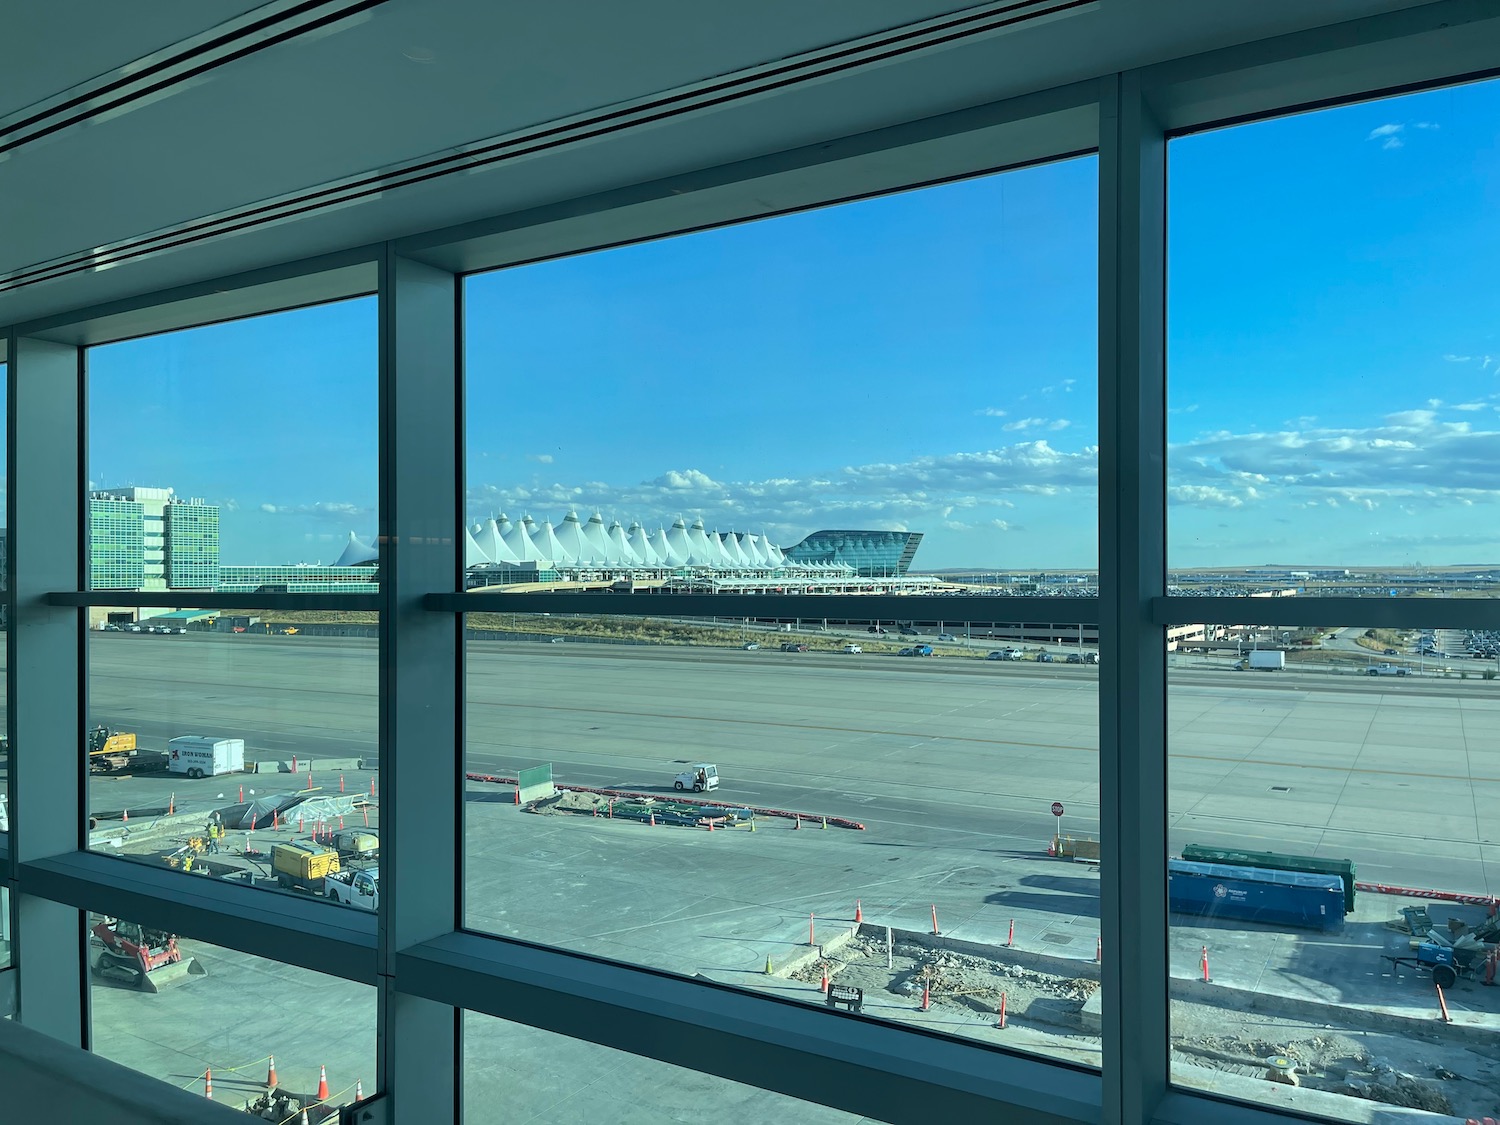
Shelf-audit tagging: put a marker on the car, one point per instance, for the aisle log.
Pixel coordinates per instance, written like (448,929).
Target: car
(1391,652)
(907,652)
(1014,654)
(1091,658)
(793,646)
(1387,670)
(878,629)
(907,631)
(997,655)
(1075,658)
(853,648)
(1044,658)
(751,647)
(947,637)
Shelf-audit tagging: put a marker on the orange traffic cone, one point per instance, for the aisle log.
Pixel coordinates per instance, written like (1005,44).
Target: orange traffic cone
(341,783)
(309,779)
(653,820)
(125,816)
(208,1084)
(710,824)
(372,787)
(271,1080)
(172,805)
(303,1121)
(299,824)
(359,1089)
(322,1083)
(859,915)
(518,794)
(824,986)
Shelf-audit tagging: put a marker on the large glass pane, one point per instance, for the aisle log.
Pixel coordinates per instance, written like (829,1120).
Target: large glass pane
(1332,382)
(228,1025)
(238,458)
(1331,836)
(4,627)
(512,1072)
(895,395)
(238,745)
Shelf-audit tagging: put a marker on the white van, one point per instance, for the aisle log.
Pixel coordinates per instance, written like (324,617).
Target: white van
(700,778)
(200,756)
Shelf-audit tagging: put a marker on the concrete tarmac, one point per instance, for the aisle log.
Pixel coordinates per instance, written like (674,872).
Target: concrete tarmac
(952,765)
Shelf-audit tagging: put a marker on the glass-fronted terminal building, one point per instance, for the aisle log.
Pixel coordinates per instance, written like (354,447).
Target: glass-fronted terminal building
(873,554)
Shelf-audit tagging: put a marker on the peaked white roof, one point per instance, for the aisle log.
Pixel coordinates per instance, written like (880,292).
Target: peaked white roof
(518,539)
(473,554)
(357,552)
(641,544)
(570,536)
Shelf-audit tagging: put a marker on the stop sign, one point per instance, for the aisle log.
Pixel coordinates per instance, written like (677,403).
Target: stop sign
(1057,809)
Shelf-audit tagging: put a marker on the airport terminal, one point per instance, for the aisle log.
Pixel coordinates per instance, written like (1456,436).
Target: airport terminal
(867,562)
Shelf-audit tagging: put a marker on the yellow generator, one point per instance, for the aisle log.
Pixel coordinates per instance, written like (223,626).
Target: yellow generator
(303,865)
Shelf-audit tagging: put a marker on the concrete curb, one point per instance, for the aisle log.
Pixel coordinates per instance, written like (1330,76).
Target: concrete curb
(813,954)
(1026,959)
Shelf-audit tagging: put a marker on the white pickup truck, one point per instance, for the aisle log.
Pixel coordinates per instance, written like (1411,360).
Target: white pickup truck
(1388,670)
(356,888)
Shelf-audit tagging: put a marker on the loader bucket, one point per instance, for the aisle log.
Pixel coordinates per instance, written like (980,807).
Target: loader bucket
(167,975)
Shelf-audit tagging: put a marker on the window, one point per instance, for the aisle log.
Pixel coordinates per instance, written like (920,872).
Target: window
(1332,418)
(889,401)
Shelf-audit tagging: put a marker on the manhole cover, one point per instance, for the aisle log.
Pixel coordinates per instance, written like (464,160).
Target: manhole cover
(1281,789)
(1058,939)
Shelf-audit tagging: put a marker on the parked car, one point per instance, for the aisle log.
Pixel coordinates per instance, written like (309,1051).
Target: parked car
(751,647)
(878,629)
(947,637)
(1075,658)
(1044,658)
(907,652)
(1091,658)
(853,648)
(793,646)
(997,655)
(908,631)
(1391,652)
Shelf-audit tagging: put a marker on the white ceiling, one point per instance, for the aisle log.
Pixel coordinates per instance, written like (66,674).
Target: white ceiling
(407,79)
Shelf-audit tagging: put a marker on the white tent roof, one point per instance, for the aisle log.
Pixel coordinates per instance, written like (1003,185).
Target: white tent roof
(518,539)
(570,535)
(666,554)
(548,544)
(493,543)
(600,548)
(641,544)
(679,546)
(357,552)
(473,555)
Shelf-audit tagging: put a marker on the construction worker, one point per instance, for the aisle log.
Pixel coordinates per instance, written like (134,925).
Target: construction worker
(213,836)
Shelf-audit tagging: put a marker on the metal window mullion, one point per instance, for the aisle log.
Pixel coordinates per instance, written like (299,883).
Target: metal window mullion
(1132,565)
(421,781)
(44,693)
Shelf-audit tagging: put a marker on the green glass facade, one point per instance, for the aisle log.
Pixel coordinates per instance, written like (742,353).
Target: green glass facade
(117,545)
(872,554)
(192,546)
(294,579)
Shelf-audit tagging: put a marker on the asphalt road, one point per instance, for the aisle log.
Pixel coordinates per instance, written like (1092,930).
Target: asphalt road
(1396,774)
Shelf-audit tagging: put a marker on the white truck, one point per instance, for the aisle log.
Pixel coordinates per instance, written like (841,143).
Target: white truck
(199,756)
(354,888)
(1265,661)
(1388,670)
(700,778)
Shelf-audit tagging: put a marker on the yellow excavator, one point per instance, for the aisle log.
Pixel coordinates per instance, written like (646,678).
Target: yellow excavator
(109,751)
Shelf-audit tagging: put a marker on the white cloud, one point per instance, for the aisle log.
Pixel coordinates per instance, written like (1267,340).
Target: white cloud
(1000,525)
(1468,406)
(1023,424)
(991,412)
(335,511)
(1384,131)
(1060,424)
(543,458)
(1204,496)
(1451,358)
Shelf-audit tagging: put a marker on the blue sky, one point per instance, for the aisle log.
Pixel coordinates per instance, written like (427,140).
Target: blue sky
(926,361)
